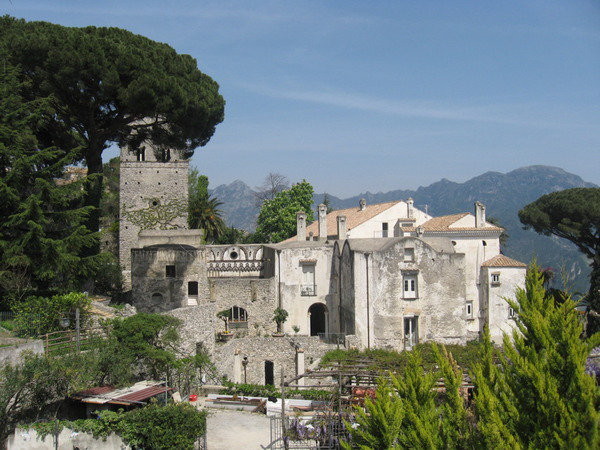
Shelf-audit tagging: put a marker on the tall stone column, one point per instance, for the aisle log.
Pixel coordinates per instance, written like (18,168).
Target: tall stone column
(237,366)
(300,369)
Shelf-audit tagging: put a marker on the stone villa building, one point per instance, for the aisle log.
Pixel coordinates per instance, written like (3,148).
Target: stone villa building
(379,276)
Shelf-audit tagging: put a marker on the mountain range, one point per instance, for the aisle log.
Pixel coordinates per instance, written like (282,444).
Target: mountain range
(502,193)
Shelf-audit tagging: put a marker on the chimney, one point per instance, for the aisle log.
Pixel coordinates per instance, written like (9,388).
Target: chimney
(322,222)
(341,227)
(362,204)
(409,208)
(301,225)
(479,215)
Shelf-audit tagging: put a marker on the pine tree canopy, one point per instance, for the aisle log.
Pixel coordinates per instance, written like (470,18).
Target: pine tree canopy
(108,85)
(572,214)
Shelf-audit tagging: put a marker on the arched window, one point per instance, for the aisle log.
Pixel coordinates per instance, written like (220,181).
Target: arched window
(237,317)
(238,314)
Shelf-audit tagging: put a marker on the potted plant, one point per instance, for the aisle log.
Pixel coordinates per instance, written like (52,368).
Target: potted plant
(225,315)
(280,315)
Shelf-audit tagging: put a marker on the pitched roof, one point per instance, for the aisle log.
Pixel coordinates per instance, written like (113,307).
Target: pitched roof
(503,261)
(354,217)
(444,223)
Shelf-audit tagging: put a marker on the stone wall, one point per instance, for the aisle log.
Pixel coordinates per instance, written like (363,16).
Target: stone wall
(13,354)
(154,291)
(258,296)
(67,439)
(279,350)
(149,188)
(198,326)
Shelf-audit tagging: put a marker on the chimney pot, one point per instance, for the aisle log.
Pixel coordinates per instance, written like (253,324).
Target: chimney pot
(342,229)
(362,204)
(322,222)
(479,215)
(301,226)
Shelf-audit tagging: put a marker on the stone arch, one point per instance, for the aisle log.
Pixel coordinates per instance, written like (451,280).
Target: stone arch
(317,318)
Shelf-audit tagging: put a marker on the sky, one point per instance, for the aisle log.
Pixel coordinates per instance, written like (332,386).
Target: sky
(357,96)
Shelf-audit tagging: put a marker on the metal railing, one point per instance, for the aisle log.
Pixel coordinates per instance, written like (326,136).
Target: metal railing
(308,290)
(318,433)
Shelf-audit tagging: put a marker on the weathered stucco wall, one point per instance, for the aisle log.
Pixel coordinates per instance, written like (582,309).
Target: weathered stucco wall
(495,312)
(293,299)
(68,439)
(13,354)
(153,291)
(439,303)
(373,227)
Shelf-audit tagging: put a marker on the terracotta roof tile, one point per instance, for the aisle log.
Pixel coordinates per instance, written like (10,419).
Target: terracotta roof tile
(503,261)
(354,217)
(443,223)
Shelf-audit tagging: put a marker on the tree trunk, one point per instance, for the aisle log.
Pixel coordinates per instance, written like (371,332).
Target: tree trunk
(93,193)
(593,322)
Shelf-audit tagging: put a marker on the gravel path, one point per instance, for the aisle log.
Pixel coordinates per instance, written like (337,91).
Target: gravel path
(230,430)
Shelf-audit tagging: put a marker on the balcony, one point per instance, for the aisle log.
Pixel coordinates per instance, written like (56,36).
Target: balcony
(308,290)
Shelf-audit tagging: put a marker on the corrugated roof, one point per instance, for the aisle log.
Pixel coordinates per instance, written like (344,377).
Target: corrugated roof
(354,217)
(503,261)
(99,390)
(142,395)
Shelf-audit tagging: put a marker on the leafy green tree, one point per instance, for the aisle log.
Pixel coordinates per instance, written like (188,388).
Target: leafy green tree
(42,232)
(539,395)
(203,210)
(109,85)
(280,315)
(277,217)
(34,388)
(232,235)
(572,214)
(39,315)
(164,427)
(138,346)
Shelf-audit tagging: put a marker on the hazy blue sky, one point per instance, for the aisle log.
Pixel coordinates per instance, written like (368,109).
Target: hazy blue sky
(379,95)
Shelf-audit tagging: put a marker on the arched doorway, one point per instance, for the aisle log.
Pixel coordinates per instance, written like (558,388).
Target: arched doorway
(318,318)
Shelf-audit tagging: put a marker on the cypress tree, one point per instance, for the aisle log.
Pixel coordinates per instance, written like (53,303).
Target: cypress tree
(539,396)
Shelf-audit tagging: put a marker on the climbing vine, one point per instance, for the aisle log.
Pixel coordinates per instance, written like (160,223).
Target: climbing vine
(157,216)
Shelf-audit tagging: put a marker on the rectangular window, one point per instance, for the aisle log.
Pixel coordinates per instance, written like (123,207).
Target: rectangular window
(495,279)
(141,154)
(384,229)
(511,313)
(409,254)
(193,288)
(411,332)
(469,310)
(308,287)
(410,286)
(170,271)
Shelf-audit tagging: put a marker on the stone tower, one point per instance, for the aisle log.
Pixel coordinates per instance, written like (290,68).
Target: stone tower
(153,196)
